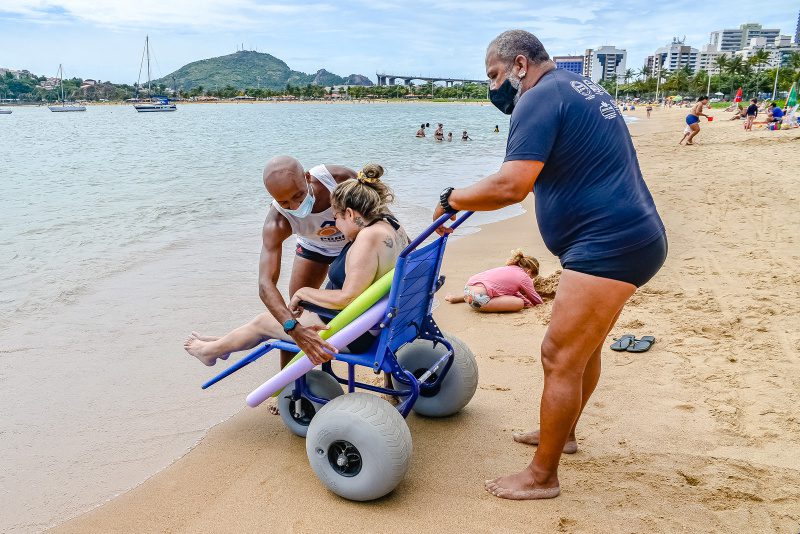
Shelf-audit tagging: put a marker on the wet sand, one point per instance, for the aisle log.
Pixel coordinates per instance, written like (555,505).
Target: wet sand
(700,434)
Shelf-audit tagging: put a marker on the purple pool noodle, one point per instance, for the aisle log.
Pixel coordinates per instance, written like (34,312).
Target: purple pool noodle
(341,339)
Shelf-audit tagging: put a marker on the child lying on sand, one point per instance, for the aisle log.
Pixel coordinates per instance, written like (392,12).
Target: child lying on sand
(503,289)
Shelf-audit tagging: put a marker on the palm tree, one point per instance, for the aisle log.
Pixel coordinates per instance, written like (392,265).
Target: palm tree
(629,73)
(721,63)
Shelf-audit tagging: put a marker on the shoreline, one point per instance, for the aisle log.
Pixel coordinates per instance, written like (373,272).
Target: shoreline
(701,381)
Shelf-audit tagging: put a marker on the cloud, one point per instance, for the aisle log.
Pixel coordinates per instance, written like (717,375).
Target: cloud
(178,14)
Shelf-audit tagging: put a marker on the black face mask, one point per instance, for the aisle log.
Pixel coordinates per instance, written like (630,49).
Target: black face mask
(503,97)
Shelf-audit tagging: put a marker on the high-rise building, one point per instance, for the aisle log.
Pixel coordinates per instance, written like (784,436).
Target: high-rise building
(797,30)
(733,40)
(707,59)
(675,56)
(604,63)
(779,49)
(570,63)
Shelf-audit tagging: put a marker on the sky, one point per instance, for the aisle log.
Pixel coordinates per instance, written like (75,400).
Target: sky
(104,40)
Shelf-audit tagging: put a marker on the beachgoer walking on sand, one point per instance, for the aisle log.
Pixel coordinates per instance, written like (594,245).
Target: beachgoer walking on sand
(693,120)
(502,289)
(751,114)
(649,109)
(571,147)
(421,131)
(465,136)
(439,133)
(301,207)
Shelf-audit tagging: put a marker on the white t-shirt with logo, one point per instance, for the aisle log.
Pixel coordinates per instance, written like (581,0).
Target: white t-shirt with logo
(317,232)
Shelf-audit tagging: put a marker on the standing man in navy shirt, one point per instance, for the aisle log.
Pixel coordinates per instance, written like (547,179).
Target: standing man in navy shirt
(569,145)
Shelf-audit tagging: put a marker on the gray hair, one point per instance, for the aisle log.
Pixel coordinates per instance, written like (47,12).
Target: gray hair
(512,43)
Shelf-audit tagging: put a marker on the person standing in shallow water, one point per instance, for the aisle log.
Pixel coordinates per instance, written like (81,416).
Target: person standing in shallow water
(569,145)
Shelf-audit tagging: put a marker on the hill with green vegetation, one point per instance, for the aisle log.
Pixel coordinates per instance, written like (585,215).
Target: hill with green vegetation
(245,70)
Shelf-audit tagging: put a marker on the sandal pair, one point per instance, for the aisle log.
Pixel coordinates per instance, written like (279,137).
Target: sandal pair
(629,343)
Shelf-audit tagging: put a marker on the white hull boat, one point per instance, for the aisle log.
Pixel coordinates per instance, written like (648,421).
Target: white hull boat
(150,108)
(66,107)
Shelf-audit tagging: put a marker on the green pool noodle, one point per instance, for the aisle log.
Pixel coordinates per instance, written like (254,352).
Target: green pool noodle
(362,303)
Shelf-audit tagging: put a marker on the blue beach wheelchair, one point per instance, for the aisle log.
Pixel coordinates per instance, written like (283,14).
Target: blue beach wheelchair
(359,444)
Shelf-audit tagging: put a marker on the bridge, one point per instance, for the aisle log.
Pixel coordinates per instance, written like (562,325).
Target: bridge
(392,79)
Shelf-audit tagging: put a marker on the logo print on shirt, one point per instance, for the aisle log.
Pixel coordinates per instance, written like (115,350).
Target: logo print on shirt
(329,233)
(594,87)
(582,90)
(607,110)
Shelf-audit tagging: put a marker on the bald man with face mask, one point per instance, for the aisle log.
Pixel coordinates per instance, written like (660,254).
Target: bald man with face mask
(301,207)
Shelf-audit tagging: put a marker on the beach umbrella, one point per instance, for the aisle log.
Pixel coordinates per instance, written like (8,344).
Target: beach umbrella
(791,100)
(738,95)
(719,94)
(677,98)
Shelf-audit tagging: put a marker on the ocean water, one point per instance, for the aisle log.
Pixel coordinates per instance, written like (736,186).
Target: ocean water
(122,232)
(86,195)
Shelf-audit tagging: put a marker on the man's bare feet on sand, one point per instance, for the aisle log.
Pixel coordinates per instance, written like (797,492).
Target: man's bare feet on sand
(532,438)
(520,486)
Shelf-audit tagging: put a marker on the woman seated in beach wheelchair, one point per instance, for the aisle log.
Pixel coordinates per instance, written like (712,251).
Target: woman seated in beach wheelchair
(350,447)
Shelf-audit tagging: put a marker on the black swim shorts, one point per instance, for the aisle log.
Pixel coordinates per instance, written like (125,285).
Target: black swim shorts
(303,252)
(635,267)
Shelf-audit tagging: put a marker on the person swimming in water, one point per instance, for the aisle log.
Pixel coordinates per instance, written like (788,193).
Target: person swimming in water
(421,131)
(465,136)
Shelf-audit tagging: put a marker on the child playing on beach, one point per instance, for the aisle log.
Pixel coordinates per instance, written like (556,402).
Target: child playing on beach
(503,289)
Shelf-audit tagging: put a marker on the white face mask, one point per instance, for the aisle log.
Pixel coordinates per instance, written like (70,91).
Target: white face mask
(305,207)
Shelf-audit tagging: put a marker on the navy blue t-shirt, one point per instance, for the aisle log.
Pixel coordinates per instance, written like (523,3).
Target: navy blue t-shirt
(591,199)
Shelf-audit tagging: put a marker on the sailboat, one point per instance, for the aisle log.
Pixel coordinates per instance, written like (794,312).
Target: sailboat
(64,106)
(157,103)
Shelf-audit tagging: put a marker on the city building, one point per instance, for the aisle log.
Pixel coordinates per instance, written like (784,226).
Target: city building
(674,56)
(780,49)
(570,63)
(707,59)
(733,40)
(604,63)
(797,30)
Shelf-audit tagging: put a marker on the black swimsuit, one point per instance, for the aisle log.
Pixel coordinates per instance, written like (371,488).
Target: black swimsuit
(336,276)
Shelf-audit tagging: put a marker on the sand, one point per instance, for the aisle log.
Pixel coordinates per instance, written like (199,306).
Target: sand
(700,434)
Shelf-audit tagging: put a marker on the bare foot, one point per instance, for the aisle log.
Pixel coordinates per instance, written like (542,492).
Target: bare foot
(532,438)
(454,299)
(199,349)
(520,486)
(204,338)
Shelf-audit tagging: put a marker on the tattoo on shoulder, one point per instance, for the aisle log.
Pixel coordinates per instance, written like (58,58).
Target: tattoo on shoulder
(360,222)
(389,242)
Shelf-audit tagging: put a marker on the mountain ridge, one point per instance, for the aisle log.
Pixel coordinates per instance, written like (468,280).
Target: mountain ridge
(247,69)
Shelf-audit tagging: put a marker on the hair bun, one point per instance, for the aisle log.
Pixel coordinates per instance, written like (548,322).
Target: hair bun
(370,174)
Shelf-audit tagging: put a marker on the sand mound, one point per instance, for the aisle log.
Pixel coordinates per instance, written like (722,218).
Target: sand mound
(548,285)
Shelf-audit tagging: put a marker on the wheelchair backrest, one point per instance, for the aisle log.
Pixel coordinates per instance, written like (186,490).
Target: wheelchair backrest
(411,296)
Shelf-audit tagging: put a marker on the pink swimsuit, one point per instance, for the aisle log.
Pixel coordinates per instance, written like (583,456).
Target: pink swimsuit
(508,280)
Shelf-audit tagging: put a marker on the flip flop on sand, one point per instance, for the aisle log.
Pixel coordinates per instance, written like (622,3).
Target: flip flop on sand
(642,345)
(623,342)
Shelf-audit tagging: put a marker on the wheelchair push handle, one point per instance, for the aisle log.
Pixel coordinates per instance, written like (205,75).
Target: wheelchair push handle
(441,221)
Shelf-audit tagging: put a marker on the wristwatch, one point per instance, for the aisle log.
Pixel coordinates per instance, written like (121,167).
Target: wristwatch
(444,198)
(289,325)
